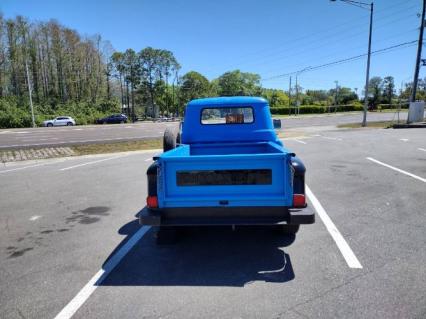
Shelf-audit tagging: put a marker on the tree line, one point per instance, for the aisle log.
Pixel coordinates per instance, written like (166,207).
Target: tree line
(84,77)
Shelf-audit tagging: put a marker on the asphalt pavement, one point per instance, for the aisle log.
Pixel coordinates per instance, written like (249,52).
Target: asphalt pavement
(70,243)
(85,134)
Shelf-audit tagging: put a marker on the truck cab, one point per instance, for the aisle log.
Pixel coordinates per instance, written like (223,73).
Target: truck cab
(226,167)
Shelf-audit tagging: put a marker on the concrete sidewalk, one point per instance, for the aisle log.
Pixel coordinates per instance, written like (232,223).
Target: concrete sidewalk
(33,154)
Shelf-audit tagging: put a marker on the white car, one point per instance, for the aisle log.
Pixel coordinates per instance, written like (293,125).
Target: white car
(60,121)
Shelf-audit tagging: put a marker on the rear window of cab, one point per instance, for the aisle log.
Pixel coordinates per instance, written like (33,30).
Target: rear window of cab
(227,115)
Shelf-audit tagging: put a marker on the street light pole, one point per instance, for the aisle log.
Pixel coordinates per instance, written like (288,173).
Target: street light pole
(364,5)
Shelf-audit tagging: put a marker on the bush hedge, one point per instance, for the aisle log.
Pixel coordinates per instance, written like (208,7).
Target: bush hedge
(14,113)
(312,109)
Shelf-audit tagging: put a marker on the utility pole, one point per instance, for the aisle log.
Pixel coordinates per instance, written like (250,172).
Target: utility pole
(289,95)
(297,97)
(29,83)
(29,92)
(335,96)
(419,54)
(367,76)
(364,5)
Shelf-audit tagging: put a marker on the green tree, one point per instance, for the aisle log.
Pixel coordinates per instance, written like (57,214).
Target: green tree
(235,83)
(375,86)
(388,88)
(276,98)
(194,86)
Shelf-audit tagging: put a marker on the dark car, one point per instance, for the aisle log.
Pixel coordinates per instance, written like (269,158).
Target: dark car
(112,119)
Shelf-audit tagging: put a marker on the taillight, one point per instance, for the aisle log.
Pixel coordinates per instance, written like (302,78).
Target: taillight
(152,202)
(299,200)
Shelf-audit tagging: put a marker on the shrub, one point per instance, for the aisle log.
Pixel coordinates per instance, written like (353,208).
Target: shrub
(14,113)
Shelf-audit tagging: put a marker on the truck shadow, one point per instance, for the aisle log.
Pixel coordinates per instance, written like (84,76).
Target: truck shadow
(204,256)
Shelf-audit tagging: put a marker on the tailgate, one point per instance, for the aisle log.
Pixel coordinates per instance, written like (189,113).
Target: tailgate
(225,180)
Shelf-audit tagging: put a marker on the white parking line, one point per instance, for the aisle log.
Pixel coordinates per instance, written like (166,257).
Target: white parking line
(299,141)
(149,159)
(341,243)
(332,138)
(84,294)
(397,169)
(92,162)
(33,218)
(19,168)
(404,139)
(422,149)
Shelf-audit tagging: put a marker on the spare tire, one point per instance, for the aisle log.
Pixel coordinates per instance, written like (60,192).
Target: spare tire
(169,140)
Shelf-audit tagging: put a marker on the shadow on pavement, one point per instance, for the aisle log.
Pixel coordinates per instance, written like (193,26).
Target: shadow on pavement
(204,256)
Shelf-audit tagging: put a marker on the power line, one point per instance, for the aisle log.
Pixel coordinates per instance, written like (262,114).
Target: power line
(324,42)
(279,49)
(341,61)
(354,47)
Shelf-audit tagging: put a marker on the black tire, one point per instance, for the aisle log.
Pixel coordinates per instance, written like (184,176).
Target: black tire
(169,140)
(121,122)
(69,124)
(49,124)
(104,122)
(289,229)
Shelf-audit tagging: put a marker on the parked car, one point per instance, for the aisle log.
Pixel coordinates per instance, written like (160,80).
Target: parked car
(226,166)
(60,121)
(113,119)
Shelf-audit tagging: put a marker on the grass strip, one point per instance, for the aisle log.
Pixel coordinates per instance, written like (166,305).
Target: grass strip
(87,149)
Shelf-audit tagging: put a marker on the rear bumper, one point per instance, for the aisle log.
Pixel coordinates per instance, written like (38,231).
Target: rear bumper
(191,216)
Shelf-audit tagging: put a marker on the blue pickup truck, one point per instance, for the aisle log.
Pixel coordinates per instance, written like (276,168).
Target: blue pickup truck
(226,166)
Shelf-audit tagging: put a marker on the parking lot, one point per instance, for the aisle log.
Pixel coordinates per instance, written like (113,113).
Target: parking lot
(70,243)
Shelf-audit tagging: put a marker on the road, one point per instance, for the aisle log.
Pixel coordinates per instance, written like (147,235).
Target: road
(70,243)
(63,136)
(88,134)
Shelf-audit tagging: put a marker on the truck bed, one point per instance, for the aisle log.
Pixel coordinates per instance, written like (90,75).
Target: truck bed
(225,175)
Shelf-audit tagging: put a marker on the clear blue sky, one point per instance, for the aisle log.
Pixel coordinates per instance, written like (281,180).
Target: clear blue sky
(267,37)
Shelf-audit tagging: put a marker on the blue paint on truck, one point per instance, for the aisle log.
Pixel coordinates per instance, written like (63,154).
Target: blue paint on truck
(228,167)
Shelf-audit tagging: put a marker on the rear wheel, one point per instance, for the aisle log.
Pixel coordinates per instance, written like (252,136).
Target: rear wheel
(169,140)
(49,124)
(69,124)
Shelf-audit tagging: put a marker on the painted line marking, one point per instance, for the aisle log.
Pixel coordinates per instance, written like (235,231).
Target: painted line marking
(404,139)
(148,159)
(40,139)
(299,141)
(341,243)
(84,294)
(33,218)
(397,169)
(332,138)
(92,162)
(19,168)
(422,149)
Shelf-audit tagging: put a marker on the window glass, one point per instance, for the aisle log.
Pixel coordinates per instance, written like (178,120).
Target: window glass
(227,115)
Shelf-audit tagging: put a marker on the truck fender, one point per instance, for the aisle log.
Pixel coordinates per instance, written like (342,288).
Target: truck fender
(299,171)
(151,174)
